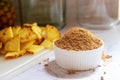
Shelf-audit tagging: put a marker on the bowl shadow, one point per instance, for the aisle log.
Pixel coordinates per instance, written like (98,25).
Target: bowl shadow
(54,70)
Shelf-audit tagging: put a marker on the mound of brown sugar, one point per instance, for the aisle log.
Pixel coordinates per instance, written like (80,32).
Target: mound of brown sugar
(78,39)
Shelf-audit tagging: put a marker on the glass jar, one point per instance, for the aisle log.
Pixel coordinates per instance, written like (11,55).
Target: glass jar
(95,14)
(43,12)
(7,14)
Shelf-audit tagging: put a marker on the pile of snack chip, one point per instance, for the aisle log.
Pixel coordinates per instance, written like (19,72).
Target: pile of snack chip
(28,39)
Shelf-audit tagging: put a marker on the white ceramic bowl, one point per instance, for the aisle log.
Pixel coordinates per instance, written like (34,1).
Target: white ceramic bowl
(78,60)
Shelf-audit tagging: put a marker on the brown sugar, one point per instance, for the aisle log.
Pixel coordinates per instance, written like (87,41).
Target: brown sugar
(105,56)
(78,39)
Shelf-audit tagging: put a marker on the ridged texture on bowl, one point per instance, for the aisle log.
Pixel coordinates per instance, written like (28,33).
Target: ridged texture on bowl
(78,60)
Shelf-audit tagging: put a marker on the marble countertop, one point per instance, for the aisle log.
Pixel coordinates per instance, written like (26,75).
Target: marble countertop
(109,70)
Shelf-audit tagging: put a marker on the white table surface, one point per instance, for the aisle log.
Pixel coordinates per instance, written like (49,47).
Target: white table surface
(111,39)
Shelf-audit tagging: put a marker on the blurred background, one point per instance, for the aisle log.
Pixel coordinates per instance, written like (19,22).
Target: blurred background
(97,14)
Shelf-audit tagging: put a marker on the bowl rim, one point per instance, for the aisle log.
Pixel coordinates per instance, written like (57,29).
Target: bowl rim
(102,46)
